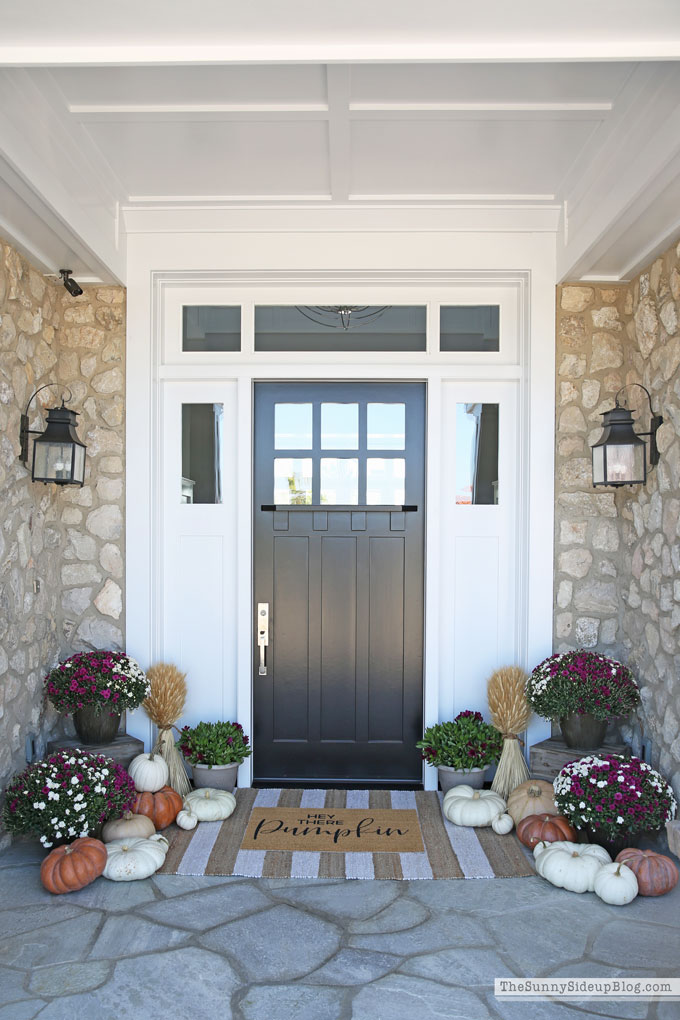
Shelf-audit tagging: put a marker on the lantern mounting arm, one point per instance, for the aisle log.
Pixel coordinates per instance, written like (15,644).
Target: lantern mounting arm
(656,420)
(24,430)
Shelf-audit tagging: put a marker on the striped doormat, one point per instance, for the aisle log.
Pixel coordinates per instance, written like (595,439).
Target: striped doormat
(451,851)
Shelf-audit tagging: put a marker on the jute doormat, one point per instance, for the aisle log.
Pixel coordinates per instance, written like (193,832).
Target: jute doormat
(445,850)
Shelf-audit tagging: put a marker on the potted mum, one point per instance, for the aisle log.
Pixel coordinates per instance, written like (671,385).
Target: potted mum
(582,690)
(67,795)
(214,750)
(614,798)
(95,688)
(461,750)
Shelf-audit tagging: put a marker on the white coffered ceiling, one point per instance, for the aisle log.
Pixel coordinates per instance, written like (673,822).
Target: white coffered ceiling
(338,116)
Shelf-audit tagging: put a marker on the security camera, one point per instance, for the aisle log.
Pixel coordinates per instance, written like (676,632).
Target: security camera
(71,285)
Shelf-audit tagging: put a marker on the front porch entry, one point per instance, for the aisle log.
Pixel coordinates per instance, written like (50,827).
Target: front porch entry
(380,621)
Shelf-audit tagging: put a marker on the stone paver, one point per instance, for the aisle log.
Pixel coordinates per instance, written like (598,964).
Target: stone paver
(69,978)
(292,1001)
(132,936)
(622,940)
(353,967)
(25,1010)
(438,933)
(354,900)
(209,908)
(465,967)
(183,982)
(277,943)
(58,943)
(398,916)
(401,996)
(114,897)
(12,985)
(276,949)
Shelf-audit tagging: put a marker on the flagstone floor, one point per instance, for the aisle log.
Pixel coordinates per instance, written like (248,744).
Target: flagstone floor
(270,949)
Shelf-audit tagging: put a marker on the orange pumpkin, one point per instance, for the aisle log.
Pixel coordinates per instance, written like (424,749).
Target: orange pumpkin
(69,868)
(656,874)
(544,828)
(161,807)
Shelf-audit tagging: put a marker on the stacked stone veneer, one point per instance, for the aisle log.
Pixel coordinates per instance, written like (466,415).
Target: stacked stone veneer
(617,563)
(61,548)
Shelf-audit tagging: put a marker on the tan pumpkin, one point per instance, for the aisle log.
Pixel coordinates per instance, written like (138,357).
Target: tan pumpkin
(128,827)
(544,828)
(656,874)
(535,797)
(162,807)
(72,867)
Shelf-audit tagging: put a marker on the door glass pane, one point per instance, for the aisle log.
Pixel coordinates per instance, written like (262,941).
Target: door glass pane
(386,481)
(201,480)
(469,328)
(211,328)
(386,425)
(293,426)
(293,480)
(477,453)
(339,480)
(340,426)
(340,328)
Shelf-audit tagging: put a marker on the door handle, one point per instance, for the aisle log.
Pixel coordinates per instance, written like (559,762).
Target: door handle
(262,634)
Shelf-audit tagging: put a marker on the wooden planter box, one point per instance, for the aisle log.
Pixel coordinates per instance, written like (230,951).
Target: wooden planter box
(548,757)
(122,749)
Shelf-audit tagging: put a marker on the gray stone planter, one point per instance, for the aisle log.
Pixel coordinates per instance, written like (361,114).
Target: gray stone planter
(448,777)
(219,777)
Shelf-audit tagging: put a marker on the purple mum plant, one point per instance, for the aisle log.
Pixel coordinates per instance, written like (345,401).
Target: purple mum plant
(580,682)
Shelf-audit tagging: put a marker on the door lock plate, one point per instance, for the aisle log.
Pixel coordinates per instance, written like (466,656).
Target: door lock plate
(262,634)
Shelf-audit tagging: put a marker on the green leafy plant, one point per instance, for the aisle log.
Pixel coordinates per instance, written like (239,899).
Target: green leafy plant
(580,682)
(466,743)
(214,743)
(67,795)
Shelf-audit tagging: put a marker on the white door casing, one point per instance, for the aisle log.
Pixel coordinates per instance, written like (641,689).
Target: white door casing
(475,619)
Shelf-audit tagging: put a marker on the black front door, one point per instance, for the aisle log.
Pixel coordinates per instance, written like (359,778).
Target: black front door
(339,516)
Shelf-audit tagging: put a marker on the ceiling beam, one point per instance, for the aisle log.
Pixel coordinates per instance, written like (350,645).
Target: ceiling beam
(339,132)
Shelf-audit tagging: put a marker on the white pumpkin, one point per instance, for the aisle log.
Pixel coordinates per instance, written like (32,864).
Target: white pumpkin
(615,883)
(131,859)
(210,805)
(186,819)
(502,824)
(149,772)
(128,827)
(571,866)
(465,806)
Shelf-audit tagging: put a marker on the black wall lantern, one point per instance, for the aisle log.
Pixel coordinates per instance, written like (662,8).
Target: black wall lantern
(58,454)
(619,456)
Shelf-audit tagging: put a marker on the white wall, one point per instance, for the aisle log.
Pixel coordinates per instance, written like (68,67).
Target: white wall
(370,263)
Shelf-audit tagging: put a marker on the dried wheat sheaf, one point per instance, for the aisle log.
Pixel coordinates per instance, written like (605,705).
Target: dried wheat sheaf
(164,706)
(510,714)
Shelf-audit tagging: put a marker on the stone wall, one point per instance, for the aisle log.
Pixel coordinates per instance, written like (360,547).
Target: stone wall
(618,550)
(61,548)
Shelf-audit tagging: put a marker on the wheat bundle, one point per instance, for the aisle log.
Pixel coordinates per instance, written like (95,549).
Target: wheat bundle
(164,705)
(510,714)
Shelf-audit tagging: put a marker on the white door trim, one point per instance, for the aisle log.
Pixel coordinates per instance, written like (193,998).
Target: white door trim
(532,368)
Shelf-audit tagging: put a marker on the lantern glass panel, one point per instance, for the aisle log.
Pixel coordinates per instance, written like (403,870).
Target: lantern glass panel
(79,464)
(598,465)
(626,463)
(52,461)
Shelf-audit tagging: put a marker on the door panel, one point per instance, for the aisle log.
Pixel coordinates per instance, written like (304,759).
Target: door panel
(341,700)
